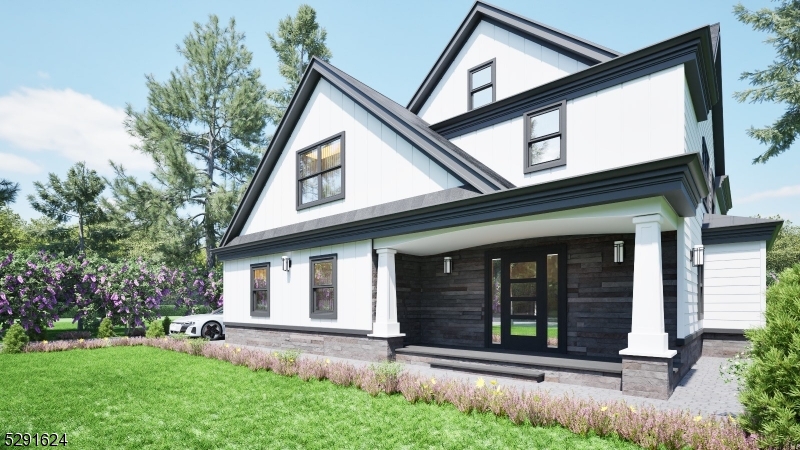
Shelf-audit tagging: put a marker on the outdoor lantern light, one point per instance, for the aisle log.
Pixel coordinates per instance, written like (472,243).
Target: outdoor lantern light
(698,256)
(287,263)
(619,251)
(448,264)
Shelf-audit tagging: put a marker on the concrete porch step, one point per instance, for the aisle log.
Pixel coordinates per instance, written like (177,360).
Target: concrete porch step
(505,371)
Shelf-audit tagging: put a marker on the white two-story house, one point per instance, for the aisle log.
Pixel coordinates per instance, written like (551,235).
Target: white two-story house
(543,205)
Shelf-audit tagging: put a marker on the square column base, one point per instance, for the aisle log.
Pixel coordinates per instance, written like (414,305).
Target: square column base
(647,377)
(653,345)
(386,330)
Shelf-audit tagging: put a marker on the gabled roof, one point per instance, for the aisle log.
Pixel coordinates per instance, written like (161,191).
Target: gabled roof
(584,50)
(406,124)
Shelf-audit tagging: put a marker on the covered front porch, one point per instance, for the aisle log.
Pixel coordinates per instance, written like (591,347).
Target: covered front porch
(541,293)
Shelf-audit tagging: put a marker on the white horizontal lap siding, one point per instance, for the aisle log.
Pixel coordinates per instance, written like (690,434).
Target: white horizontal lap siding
(695,131)
(689,235)
(633,122)
(380,165)
(520,64)
(735,285)
(290,291)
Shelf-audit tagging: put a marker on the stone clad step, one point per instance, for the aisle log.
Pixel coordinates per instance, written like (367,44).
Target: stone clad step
(516,372)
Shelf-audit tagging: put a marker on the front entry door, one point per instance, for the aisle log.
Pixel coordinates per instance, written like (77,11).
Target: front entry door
(523,302)
(527,299)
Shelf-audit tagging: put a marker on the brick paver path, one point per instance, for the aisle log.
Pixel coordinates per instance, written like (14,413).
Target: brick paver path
(701,391)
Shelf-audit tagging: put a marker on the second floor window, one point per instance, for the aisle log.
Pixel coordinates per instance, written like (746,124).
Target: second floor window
(481,85)
(545,138)
(320,172)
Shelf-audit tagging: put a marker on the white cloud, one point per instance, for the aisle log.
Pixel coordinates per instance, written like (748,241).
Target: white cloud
(74,125)
(18,164)
(43,75)
(786,191)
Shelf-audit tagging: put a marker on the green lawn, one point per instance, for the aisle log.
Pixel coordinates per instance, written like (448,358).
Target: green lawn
(526,330)
(142,397)
(66,324)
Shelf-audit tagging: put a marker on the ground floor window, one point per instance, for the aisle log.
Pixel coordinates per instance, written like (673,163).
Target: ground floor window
(259,285)
(323,287)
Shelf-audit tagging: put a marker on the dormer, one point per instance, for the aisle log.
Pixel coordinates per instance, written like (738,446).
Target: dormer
(494,55)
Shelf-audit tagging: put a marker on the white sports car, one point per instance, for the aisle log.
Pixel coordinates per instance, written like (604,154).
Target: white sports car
(208,326)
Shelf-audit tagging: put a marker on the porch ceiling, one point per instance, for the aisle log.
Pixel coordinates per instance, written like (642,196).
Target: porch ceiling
(603,219)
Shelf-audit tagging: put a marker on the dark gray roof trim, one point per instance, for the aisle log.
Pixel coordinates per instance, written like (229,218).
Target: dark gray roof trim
(469,170)
(719,229)
(717,114)
(693,49)
(679,179)
(583,50)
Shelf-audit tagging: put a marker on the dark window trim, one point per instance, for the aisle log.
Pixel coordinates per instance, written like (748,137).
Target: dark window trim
(562,132)
(708,171)
(323,315)
(319,172)
(701,287)
(253,311)
(491,85)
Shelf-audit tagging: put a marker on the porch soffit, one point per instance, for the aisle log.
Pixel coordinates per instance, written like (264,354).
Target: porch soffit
(679,180)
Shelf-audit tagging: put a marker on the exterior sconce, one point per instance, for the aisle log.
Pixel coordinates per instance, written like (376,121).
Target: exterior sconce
(698,255)
(448,264)
(287,263)
(619,251)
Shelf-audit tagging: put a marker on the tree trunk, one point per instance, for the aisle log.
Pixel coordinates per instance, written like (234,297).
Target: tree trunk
(81,248)
(208,222)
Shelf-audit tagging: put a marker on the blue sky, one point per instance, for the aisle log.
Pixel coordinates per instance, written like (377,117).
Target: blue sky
(68,68)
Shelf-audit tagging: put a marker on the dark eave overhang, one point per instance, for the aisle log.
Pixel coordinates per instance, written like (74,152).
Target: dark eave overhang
(749,230)
(722,186)
(692,49)
(466,168)
(678,179)
(581,49)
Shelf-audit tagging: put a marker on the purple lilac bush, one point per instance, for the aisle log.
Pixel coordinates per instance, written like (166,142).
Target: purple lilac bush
(36,290)
(647,427)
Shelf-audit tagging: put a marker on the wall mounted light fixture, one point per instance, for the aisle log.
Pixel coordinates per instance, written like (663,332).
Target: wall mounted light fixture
(448,264)
(698,255)
(287,263)
(619,251)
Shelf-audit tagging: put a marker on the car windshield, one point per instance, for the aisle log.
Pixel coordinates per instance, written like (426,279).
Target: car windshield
(218,311)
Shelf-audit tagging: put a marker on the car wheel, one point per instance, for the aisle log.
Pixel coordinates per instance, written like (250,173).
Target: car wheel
(211,330)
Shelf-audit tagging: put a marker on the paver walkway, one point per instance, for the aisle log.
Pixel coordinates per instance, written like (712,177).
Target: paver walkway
(701,391)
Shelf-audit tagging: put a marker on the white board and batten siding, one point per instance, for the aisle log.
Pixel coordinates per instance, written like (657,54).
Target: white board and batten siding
(690,233)
(633,122)
(290,291)
(735,285)
(695,131)
(380,165)
(520,64)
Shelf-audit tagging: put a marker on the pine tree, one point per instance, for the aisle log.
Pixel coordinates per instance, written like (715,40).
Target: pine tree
(204,129)
(298,40)
(8,192)
(780,81)
(77,197)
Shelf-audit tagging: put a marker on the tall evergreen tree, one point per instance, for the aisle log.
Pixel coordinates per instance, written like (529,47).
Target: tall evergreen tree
(8,192)
(204,129)
(77,197)
(298,40)
(780,81)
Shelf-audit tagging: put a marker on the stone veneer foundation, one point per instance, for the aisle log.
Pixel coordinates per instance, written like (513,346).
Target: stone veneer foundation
(318,343)
(647,377)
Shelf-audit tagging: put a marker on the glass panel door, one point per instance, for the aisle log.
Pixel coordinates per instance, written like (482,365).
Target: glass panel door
(522,299)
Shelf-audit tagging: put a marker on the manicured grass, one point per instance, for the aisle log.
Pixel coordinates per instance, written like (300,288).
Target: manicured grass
(142,397)
(526,330)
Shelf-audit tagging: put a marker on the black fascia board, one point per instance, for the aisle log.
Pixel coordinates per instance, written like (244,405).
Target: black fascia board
(679,180)
(583,50)
(766,231)
(722,186)
(717,116)
(693,49)
(466,168)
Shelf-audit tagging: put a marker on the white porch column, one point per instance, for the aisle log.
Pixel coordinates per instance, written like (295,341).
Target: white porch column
(386,324)
(647,336)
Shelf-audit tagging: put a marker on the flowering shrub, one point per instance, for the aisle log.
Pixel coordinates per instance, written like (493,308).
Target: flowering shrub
(71,335)
(647,427)
(37,290)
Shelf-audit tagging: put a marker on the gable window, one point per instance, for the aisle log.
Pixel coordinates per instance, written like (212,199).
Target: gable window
(259,290)
(481,82)
(545,138)
(323,287)
(320,172)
